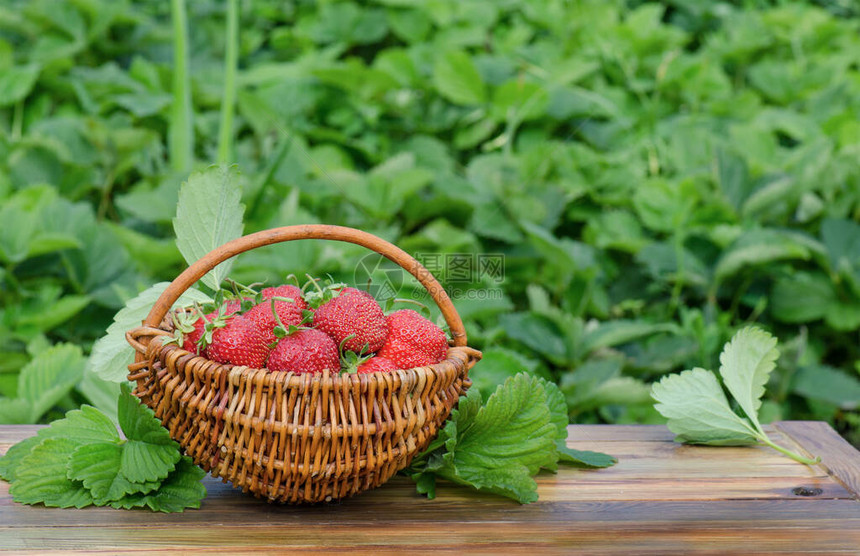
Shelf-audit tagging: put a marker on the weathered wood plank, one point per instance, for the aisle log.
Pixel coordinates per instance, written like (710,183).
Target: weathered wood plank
(837,455)
(678,533)
(662,498)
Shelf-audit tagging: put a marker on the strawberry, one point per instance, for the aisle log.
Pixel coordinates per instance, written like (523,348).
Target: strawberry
(353,313)
(289,313)
(377,364)
(290,292)
(193,329)
(304,351)
(413,341)
(239,342)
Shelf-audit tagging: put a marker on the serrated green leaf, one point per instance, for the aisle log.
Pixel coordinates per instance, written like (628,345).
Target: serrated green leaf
(698,411)
(149,454)
(497,365)
(41,477)
(181,490)
(84,425)
(111,354)
(146,462)
(12,458)
(457,79)
(745,365)
(425,483)
(501,445)
(97,466)
(208,215)
(49,376)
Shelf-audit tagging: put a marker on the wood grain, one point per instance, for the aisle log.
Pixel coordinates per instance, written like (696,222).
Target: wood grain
(661,498)
(837,455)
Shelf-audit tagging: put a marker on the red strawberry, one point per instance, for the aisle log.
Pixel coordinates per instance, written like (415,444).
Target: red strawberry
(304,351)
(289,313)
(239,342)
(377,364)
(413,341)
(353,312)
(291,292)
(191,341)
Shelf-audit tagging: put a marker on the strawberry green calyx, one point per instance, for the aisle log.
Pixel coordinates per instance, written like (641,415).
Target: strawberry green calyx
(320,294)
(282,330)
(350,360)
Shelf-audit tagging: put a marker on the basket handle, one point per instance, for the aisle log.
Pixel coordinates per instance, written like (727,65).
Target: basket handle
(309,231)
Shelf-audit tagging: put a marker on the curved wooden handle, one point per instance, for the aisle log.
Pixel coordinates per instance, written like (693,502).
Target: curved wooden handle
(310,231)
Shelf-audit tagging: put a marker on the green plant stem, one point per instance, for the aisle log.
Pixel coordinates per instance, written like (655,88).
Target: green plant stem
(231,56)
(796,457)
(18,121)
(181,133)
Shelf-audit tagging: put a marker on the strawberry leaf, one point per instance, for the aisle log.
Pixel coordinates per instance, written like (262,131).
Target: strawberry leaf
(180,490)
(111,353)
(149,454)
(209,214)
(41,477)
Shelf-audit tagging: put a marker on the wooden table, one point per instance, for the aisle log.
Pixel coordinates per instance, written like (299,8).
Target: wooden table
(661,498)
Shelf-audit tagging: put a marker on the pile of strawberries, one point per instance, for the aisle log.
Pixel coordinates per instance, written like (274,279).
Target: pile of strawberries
(332,328)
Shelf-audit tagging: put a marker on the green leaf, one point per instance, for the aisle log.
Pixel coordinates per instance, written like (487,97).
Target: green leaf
(149,454)
(802,297)
(758,247)
(208,215)
(821,382)
(586,458)
(49,377)
(102,394)
(613,333)
(182,489)
(537,332)
(17,82)
(745,365)
(15,411)
(86,424)
(497,365)
(498,447)
(112,354)
(698,411)
(98,467)
(558,413)
(41,477)
(457,79)
(57,313)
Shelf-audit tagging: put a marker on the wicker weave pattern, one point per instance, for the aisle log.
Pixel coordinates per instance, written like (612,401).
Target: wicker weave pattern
(297,438)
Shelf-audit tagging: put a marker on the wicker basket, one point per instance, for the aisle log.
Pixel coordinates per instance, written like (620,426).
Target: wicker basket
(297,438)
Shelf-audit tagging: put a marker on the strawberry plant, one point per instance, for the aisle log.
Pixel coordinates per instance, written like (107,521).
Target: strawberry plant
(654,175)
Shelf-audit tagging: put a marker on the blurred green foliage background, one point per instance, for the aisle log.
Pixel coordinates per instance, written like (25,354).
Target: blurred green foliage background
(655,174)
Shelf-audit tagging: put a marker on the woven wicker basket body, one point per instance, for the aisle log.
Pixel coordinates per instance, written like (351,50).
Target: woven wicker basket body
(297,438)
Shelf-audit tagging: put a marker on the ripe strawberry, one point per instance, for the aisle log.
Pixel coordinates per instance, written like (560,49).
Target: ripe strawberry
(290,292)
(304,351)
(413,341)
(289,313)
(239,342)
(377,364)
(353,312)
(194,331)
